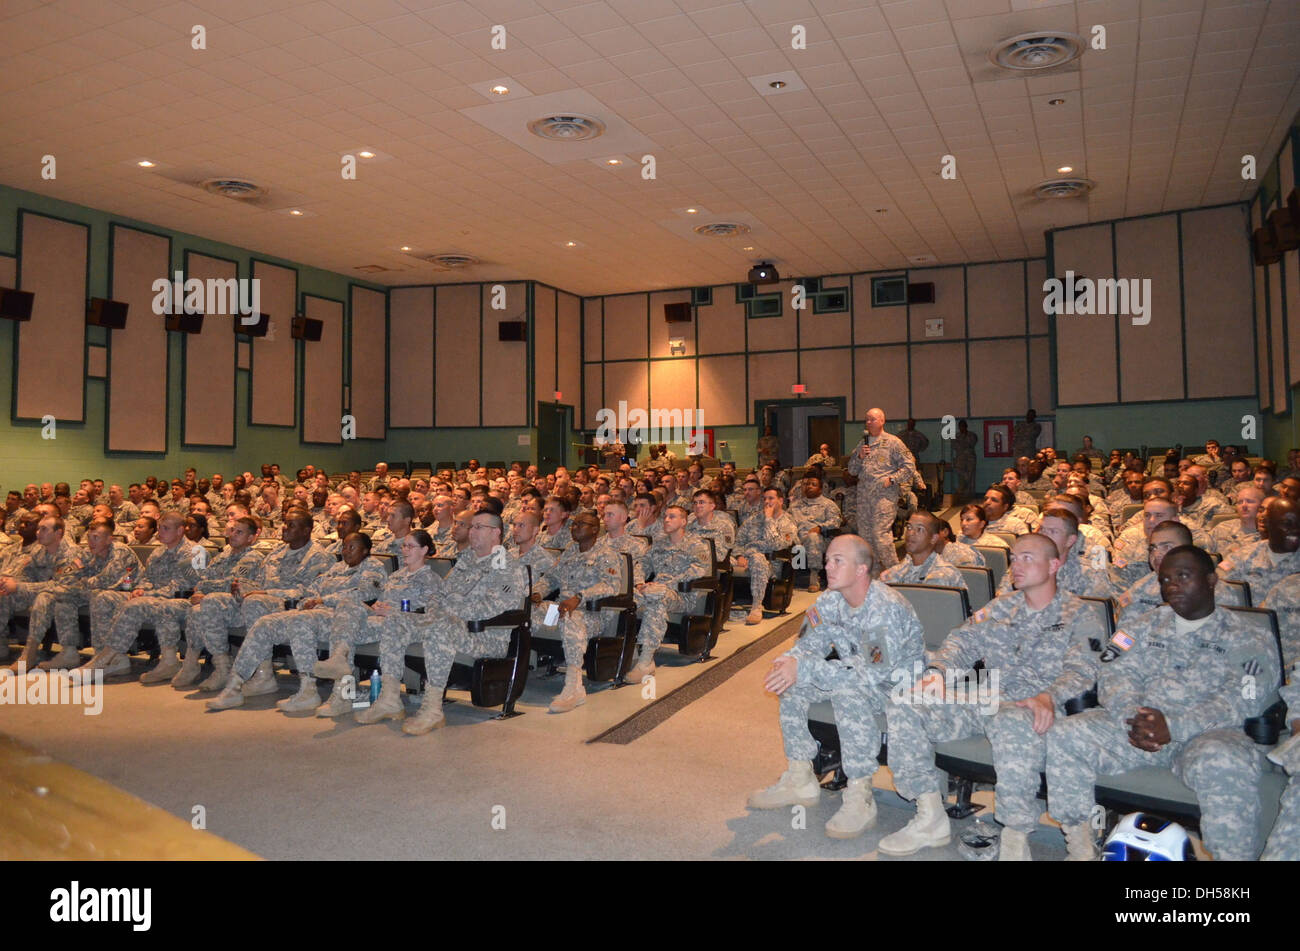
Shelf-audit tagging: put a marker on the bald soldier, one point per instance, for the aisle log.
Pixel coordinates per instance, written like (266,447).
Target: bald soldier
(881,464)
(874,632)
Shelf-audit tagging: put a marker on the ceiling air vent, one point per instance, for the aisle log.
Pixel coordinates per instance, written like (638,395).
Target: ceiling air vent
(1064,188)
(1034,51)
(722,229)
(567,128)
(452,260)
(236,188)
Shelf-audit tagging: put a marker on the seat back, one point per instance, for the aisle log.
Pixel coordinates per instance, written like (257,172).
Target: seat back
(1242,588)
(1128,511)
(441,566)
(998,561)
(1008,537)
(1224,517)
(143,552)
(979,585)
(1264,621)
(1105,611)
(939,609)
(388,561)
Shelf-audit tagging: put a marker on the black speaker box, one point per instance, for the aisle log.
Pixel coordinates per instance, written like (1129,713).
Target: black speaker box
(1264,248)
(106,313)
(1283,225)
(257,329)
(185,323)
(922,293)
(512,330)
(677,313)
(305,328)
(16,305)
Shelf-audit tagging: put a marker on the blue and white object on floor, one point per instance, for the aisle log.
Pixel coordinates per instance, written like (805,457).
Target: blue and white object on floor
(1142,838)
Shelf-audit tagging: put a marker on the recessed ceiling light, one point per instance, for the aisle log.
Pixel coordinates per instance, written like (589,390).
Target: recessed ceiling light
(145,163)
(1065,168)
(613,161)
(405,247)
(570,244)
(295,212)
(366,154)
(499,90)
(1056,102)
(692,211)
(776,84)
(881,211)
(748,247)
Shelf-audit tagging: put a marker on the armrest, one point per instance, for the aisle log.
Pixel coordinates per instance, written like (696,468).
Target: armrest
(1267,727)
(699,584)
(504,619)
(621,601)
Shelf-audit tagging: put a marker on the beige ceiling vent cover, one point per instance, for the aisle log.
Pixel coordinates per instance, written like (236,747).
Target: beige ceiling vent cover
(572,127)
(236,188)
(722,229)
(1030,52)
(451,260)
(1064,188)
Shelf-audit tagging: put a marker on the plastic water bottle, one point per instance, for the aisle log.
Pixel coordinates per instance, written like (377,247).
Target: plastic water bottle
(128,582)
(375,686)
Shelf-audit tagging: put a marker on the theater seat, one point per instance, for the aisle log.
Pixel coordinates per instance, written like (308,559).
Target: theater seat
(997,560)
(692,630)
(608,656)
(979,585)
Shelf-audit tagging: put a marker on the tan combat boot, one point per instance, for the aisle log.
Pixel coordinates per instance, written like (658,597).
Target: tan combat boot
(231,695)
(929,829)
(66,659)
(645,666)
(31,651)
(221,665)
(169,665)
(304,702)
(188,675)
(388,706)
(262,681)
(857,811)
(1080,843)
(430,715)
(796,787)
(337,705)
(336,666)
(755,616)
(1014,846)
(573,694)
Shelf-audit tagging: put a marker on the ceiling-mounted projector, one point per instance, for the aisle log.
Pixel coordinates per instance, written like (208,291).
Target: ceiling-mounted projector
(763,274)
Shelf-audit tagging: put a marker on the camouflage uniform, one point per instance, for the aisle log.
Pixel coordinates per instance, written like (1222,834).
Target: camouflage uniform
(964,460)
(1284,598)
(807,514)
(1257,566)
(721,529)
(1144,596)
(341,584)
(384,542)
(127,514)
(591,574)
(987,540)
(355,624)
(1203,511)
(72,588)
(934,570)
(758,538)
(1227,537)
(1284,841)
(472,591)
(561,539)
(626,544)
(116,618)
(35,572)
(1009,524)
(12,519)
(1050,651)
(670,564)
(877,503)
(879,636)
(282,575)
(1194,679)
(958,554)
(1077,576)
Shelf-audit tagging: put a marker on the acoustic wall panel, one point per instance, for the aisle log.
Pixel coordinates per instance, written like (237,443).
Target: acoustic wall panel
(8,271)
(999,379)
(949,302)
(49,370)
(1217,304)
(544,343)
(939,380)
(826,330)
(569,330)
(410,357)
(770,375)
(456,400)
(625,327)
(1263,341)
(722,323)
(880,379)
(774,333)
(136,420)
(272,386)
(208,392)
(995,297)
(827,373)
(873,324)
(722,391)
(322,373)
(1035,275)
(593,329)
(672,386)
(505,386)
(1278,350)
(1085,345)
(593,397)
(661,331)
(627,381)
(369,369)
(1147,249)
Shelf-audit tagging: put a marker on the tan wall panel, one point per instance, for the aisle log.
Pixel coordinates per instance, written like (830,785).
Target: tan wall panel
(826,330)
(625,327)
(995,297)
(1085,345)
(999,378)
(880,375)
(209,360)
(568,313)
(137,388)
(722,323)
(627,381)
(592,330)
(770,376)
(322,373)
(939,380)
(1036,274)
(1278,348)
(593,396)
(51,351)
(1148,248)
(661,330)
(1217,304)
(457,355)
(410,357)
(875,324)
(505,386)
(1040,376)
(369,374)
(1259,282)
(949,303)
(8,270)
(672,386)
(544,341)
(774,333)
(722,391)
(274,357)
(828,373)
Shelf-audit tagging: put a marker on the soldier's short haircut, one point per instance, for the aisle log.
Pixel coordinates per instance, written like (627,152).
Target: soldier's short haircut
(619,503)
(1044,544)
(1007,495)
(249,522)
(494,520)
(706,493)
(152,522)
(812,476)
(647,496)
(1169,486)
(861,550)
(974,508)
(102,523)
(1062,514)
(1202,558)
(1250,487)
(402,507)
(350,515)
(365,539)
(492,504)
(929,519)
(298,515)
(57,520)
(1178,528)
(528,515)
(563,501)
(170,518)
(1159,501)
(680,508)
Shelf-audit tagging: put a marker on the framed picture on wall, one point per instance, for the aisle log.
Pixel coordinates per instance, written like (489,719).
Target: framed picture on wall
(997,438)
(1048,435)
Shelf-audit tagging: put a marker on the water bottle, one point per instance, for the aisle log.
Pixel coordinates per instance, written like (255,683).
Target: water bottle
(375,686)
(128,582)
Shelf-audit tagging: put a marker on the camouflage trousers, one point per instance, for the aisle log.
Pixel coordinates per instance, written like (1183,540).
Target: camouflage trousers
(116,619)
(58,606)
(442,636)
(854,720)
(654,604)
(876,514)
(814,543)
(574,630)
(299,629)
(1018,753)
(760,572)
(23,598)
(1222,767)
(1284,840)
(398,628)
(209,623)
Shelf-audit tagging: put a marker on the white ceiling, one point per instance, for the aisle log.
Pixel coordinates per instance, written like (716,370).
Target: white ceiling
(1159,119)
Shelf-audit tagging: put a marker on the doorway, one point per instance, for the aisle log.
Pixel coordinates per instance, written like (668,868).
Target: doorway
(801,425)
(554,429)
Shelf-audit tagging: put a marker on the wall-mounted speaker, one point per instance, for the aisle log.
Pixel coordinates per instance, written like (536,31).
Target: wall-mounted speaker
(1283,225)
(106,313)
(512,330)
(307,328)
(185,323)
(257,329)
(1264,248)
(16,305)
(678,313)
(922,293)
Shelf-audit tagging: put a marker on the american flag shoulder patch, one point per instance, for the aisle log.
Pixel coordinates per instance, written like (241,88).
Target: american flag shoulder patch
(981,615)
(1125,599)
(813,617)
(1122,641)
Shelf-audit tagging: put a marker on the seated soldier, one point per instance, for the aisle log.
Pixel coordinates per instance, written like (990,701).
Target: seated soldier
(145,531)
(1284,841)
(954,552)
(618,537)
(673,558)
(1087,577)
(116,617)
(922,565)
(357,578)
(1194,509)
(974,528)
(874,631)
(1227,537)
(1131,547)
(486,581)
(34,574)
(388,540)
(813,515)
(823,456)
(760,535)
(1265,563)
(1011,479)
(750,501)
(645,516)
(1144,595)
(555,522)
(347,522)
(1170,692)
(1036,641)
(708,522)
(997,506)
(527,525)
